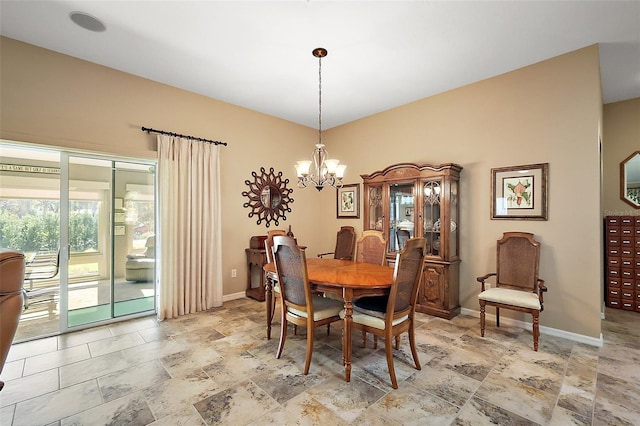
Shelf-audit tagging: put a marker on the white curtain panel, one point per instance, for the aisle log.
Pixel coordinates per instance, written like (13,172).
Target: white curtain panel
(190,243)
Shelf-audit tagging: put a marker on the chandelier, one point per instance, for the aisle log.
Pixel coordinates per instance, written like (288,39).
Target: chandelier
(326,171)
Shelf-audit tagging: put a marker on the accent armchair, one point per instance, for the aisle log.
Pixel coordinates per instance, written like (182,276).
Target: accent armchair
(517,285)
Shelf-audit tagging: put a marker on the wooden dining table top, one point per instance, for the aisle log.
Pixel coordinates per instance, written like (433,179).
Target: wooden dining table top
(345,273)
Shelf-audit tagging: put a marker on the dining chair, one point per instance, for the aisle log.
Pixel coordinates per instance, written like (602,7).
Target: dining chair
(371,247)
(345,244)
(390,316)
(299,305)
(517,285)
(402,235)
(42,268)
(275,288)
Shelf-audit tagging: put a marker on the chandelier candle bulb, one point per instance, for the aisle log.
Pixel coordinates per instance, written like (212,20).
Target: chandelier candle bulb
(332,165)
(302,168)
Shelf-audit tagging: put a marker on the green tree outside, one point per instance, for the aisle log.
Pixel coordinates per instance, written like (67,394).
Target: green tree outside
(34,225)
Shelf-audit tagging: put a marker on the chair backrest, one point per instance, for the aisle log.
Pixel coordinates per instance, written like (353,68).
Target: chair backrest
(43,267)
(371,247)
(345,243)
(518,259)
(150,247)
(291,267)
(402,235)
(406,277)
(268,243)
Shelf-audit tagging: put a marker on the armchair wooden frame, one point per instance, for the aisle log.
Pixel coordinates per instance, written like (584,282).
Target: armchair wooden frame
(517,285)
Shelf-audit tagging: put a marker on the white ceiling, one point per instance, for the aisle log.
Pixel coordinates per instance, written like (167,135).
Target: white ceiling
(381,54)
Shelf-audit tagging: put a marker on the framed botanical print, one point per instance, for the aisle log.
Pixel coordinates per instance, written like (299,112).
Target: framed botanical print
(519,192)
(348,201)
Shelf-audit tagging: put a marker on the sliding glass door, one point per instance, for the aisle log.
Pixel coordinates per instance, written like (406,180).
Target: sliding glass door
(134,227)
(30,223)
(86,224)
(110,228)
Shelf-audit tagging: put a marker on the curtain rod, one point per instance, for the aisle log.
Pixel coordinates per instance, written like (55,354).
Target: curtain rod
(162,132)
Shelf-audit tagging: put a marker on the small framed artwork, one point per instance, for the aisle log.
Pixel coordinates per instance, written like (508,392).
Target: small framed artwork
(348,201)
(519,192)
(408,211)
(119,217)
(118,230)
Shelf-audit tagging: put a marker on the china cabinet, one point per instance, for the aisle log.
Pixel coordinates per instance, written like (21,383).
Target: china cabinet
(422,200)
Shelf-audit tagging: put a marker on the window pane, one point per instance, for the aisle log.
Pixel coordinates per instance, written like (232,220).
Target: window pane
(83,226)
(30,225)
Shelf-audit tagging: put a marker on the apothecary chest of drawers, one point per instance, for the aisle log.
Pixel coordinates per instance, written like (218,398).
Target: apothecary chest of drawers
(622,245)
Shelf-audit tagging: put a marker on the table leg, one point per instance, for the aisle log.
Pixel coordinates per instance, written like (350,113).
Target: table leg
(346,334)
(268,297)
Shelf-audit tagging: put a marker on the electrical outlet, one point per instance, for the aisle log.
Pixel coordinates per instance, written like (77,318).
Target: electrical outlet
(234,273)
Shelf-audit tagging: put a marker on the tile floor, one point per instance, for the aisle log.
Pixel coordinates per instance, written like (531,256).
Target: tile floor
(217,367)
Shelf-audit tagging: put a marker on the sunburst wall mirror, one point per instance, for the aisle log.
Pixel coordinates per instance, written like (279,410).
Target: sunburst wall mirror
(268,197)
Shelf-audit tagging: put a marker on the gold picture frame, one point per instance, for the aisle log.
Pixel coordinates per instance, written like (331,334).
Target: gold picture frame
(520,192)
(348,201)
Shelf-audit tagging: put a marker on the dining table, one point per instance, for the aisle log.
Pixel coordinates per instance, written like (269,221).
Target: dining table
(347,279)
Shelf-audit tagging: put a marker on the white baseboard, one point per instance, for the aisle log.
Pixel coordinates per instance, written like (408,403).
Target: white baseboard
(234,296)
(543,330)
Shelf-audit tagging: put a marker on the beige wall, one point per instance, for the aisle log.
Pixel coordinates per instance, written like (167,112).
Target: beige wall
(53,99)
(621,138)
(547,112)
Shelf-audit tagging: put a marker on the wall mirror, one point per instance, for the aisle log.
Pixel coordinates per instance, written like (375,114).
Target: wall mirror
(630,180)
(268,197)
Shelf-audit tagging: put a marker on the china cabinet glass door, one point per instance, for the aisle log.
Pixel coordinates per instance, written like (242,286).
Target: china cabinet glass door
(375,208)
(401,213)
(431,209)
(454,245)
